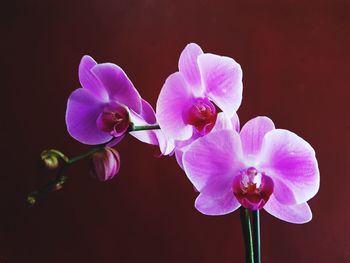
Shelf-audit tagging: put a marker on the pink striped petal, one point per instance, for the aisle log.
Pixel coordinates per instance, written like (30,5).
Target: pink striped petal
(217,206)
(118,85)
(188,66)
(253,132)
(222,123)
(166,146)
(181,147)
(211,162)
(89,81)
(225,123)
(173,99)
(290,159)
(148,113)
(297,214)
(222,78)
(283,193)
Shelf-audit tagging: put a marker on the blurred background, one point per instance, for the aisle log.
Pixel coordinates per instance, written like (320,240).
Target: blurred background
(296,60)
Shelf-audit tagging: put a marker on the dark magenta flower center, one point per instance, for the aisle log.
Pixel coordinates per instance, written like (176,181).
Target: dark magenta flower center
(252,188)
(114,119)
(201,115)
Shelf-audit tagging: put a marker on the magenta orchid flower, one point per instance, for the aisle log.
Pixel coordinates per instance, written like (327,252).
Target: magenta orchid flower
(187,104)
(106,105)
(260,167)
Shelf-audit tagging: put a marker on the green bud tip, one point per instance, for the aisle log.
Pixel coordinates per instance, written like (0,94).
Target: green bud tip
(31,200)
(57,187)
(51,158)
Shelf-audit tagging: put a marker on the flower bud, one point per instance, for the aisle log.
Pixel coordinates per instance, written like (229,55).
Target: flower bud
(31,200)
(59,183)
(51,158)
(105,164)
(57,187)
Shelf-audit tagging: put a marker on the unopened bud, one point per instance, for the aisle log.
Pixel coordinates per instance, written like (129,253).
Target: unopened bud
(59,184)
(105,164)
(31,200)
(57,187)
(51,158)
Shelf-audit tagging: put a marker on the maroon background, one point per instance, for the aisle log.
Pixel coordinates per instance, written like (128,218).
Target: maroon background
(295,58)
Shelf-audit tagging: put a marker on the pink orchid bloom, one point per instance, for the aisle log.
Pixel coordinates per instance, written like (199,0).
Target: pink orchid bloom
(260,167)
(105,106)
(186,107)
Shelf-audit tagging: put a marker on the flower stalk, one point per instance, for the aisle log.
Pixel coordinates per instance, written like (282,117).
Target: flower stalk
(247,234)
(144,128)
(256,235)
(57,182)
(85,155)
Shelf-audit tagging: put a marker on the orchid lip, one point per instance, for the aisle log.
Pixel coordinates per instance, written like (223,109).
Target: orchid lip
(252,188)
(114,119)
(201,114)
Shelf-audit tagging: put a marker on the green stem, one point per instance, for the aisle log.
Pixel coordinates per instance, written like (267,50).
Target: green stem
(60,179)
(87,154)
(59,154)
(256,235)
(144,128)
(247,234)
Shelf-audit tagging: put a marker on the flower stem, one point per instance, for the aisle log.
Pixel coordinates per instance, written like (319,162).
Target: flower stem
(57,182)
(145,127)
(84,155)
(247,234)
(256,236)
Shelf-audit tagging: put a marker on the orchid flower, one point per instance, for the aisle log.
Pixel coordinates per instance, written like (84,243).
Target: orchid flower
(106,105)
(260,167)
(187,104)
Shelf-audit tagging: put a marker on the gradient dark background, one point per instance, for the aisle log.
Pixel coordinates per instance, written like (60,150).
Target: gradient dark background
(295,57)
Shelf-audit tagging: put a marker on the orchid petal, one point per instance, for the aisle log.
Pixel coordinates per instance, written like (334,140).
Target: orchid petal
(217,206)
(178,155)
(148,113)
(290,159)
(118,85)
(89,81)
(181,147)
(297,214)
(222,123)
(225,123)
(156,136)
(115,141)
(283,193)
(189,68)
(166,145)
(253,132)
(222,78)
(212,161)
(235,122)
(174,98)
(83,109)
(147,136)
